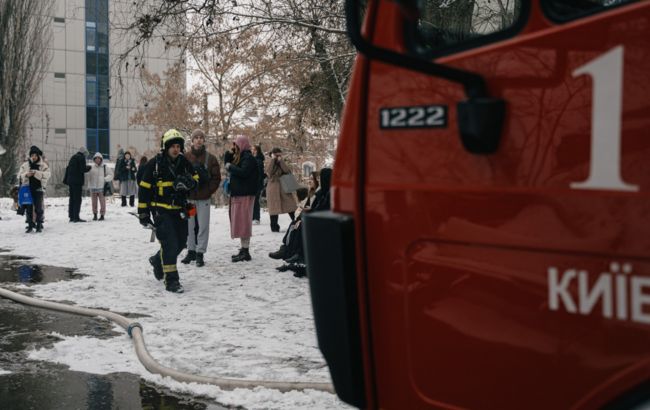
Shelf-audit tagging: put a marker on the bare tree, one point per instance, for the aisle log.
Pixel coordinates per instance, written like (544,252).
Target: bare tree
(24,33)
(299,73)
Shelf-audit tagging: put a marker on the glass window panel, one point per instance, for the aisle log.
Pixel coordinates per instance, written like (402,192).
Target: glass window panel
(102,10)
(567,10)
(91,39)
(102,64)
(91,117)
(91,62)
(103,140)
(102,27)
(91,141)
(103,90)
(444,23)
(91,93)
(91,10)
(102,43)
(102,118)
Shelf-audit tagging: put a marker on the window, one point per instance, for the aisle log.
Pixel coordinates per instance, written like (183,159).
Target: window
(562,10)
(59,20)
(91,141)
(307,168)
(91,93)
(59,130)
(91,117)
(59,75)
(91,62)
(90,39)
(444,25)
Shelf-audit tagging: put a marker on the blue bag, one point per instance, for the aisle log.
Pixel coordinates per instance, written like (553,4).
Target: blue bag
(226,186)
(24,195)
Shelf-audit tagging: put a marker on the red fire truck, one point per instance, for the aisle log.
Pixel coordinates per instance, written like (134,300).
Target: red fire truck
(489,240)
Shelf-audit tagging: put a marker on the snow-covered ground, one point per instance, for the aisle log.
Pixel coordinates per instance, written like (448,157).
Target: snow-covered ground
(241,320)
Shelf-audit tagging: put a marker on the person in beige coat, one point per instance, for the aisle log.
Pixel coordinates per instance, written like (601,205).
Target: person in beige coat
(277,201)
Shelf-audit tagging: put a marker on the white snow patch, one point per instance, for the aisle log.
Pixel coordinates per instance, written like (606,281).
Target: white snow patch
(242,320)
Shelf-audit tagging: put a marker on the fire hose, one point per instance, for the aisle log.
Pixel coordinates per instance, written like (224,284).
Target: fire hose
(134,330)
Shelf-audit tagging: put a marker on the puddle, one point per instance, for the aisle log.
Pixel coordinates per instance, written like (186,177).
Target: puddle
(43,385)
(58,388)
(15,268)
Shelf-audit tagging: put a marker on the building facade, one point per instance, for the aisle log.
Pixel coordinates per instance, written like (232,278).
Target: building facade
(89,93)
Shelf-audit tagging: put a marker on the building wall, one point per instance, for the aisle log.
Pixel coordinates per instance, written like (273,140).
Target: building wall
(59,115)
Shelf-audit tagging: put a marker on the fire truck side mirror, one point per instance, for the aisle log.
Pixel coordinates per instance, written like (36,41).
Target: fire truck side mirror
(480,122)
(480,117)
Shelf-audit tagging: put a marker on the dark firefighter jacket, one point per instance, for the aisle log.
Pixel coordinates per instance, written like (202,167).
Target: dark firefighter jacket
(157,187)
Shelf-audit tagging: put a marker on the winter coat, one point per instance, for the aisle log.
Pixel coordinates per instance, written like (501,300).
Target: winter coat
(138,175)
(322,198)
(37,182)
(96,177)
(260,169)
(125,170)
(197,159)
(277,201)
(244,176)
(76,169)
(157,191)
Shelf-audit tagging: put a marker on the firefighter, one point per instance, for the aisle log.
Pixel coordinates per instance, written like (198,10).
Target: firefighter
(166,183)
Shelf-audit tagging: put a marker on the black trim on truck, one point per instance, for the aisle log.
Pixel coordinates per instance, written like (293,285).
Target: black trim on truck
(328,240)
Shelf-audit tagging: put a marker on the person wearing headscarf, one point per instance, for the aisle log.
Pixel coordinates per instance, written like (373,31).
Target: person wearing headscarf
(244,182)
(35,172)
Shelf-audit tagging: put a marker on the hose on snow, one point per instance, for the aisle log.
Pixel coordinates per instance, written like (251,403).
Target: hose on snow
(134,329)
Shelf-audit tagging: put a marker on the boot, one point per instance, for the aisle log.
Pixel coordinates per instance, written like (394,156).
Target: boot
(174,287)
(39,227)
(94,217)
(157,267)
(280,253)
(199,259)
(172,282)
(191,256)
(295,258)
(131,200)
(30,227)
(123,200)
(243,256)
(237,255)
(275,227)
(300,272)
(101,217)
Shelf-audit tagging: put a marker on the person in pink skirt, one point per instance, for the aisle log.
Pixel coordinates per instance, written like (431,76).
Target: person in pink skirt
(243,173)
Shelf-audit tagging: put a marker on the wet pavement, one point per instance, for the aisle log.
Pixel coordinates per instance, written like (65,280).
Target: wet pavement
(42,385)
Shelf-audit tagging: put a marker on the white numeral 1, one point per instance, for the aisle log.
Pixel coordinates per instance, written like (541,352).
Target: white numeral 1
(606,72)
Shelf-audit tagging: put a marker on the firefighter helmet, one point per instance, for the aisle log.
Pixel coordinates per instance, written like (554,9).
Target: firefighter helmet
(172,136)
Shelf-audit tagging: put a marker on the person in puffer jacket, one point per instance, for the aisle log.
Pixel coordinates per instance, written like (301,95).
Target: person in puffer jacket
(35,172)
(98,175)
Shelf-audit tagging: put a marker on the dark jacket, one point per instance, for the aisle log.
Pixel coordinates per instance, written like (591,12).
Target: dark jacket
(156,191)
(260,169)
(197,159)
(76,169)
(138,175)
(125,170)
(322,197)
(244,177)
